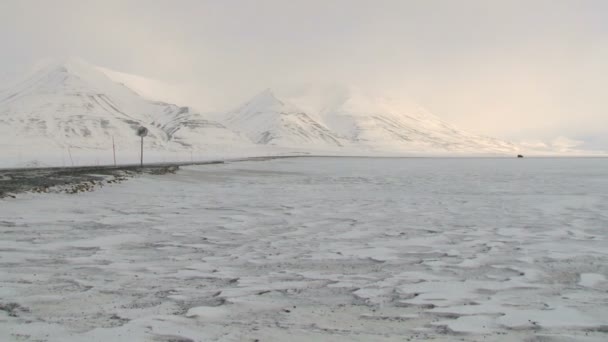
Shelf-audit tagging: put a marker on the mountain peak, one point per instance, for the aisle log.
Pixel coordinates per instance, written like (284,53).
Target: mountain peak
(267,120)
(72,65)
(266,92)
(266,98)
(75,66)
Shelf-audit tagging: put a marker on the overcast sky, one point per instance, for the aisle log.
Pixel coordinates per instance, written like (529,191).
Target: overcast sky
(513,69)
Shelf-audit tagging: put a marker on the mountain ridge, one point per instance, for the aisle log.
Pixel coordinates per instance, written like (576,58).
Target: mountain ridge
(72,104)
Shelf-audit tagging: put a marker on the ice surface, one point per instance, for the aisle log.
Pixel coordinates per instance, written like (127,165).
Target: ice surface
(315,249)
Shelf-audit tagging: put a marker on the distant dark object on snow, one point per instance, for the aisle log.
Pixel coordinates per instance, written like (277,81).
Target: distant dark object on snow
(520,156)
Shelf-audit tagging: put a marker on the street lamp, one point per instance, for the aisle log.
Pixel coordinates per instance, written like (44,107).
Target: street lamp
(142,132)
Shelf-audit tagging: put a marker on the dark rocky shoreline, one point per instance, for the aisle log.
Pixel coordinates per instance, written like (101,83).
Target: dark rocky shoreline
(71,180)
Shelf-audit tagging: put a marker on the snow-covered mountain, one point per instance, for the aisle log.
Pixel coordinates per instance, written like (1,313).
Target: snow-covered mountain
(357,122)
(268,120)
(382,124)
(74,104)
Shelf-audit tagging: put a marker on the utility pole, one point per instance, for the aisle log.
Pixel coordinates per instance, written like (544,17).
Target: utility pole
(142,132)
(141,154)
(70,154)
(114,151)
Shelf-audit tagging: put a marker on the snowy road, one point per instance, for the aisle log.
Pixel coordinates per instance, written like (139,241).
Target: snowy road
(307,249)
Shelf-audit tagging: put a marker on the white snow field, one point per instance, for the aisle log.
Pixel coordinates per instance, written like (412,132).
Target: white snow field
(315,249)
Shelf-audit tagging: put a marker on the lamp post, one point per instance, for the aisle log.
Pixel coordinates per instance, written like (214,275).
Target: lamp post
(142,132)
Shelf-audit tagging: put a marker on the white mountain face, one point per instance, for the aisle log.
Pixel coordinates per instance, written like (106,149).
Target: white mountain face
(382,124)
(73,104)
(358,122)
(268,120)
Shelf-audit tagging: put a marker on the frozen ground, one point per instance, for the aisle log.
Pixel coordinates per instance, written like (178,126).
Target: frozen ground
(311,249)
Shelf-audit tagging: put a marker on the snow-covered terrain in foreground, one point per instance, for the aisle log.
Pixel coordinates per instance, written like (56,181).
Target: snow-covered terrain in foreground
(315,249)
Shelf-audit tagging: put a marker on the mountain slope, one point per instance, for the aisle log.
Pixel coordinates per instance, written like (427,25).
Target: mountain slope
(73,104)
(268,120)
(380,124)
